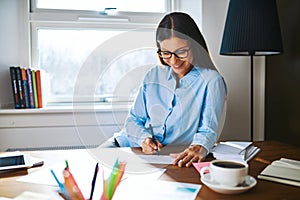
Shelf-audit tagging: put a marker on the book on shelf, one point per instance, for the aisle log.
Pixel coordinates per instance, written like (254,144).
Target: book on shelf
(286,171)
(27,87)
(30,88)
(13,76)
(39,88)
(34,89)
(20,88)
(235,150)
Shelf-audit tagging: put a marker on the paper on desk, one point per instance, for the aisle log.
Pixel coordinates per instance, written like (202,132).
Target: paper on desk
(83,176)
(28,195)
(237,144)
(235,150)
(199,165)
(135,163)
(157,189)
(83,169)
(43,176)
(82,172)
(157,159)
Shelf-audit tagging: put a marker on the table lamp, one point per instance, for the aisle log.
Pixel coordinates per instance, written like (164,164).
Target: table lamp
(251,29)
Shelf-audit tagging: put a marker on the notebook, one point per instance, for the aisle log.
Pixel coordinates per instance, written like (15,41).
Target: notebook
(235,150)
(285,171)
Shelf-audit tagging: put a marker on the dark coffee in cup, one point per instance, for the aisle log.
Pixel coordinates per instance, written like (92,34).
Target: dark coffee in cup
(229,164)
(225,172)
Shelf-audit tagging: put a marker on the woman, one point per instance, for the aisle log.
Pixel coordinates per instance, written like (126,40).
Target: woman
(180,102)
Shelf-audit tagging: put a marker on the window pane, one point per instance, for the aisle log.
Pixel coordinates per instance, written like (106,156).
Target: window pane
(99,5)
(66,55)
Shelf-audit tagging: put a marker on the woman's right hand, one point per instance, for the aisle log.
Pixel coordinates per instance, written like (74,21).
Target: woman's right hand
(149,147)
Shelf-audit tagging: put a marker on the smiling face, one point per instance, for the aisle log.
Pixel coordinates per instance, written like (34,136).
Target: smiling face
(180,66)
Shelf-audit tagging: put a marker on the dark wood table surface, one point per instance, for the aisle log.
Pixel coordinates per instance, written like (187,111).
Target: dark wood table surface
(270,151)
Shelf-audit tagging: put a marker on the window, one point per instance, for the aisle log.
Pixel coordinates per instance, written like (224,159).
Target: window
(100,5)
(89,53)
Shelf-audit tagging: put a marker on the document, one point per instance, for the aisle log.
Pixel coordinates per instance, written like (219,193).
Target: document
(83,173)
(285,171)
(28,195)
(199,165)
(157,159)
(136,163)
(157,189)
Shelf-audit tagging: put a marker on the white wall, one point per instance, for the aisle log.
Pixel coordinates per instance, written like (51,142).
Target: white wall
(236,71)
(14,51)
(13,43)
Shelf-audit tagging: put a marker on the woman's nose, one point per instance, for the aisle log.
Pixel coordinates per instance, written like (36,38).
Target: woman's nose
(173,59)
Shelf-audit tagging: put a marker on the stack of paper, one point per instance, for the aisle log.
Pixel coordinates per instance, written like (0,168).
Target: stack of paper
(235,150)
(285,171)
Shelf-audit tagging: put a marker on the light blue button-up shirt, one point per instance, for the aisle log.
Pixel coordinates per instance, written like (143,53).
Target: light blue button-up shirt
(183,114)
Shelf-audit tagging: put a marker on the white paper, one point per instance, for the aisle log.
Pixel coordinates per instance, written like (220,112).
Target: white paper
(291,163)
(158,189)
(235,150)
(237,144)
(83,175)
(28,195)
(157,159)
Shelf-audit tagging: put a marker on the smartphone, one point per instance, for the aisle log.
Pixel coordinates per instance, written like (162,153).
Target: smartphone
(14,160)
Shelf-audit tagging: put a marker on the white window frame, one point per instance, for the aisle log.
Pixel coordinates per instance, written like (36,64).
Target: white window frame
(75,19)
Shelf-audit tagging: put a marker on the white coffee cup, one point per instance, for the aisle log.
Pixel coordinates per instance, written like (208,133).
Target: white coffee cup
(225,172)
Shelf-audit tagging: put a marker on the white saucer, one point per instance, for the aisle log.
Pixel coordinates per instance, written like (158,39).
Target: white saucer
(249,183)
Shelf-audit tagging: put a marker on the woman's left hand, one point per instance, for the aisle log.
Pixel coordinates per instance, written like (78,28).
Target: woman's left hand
(194,153)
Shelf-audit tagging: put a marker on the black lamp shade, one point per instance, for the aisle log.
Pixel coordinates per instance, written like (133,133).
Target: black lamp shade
(252,28)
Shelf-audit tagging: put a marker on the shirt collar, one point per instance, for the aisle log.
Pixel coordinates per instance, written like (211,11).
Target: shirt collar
(188,78)
(170,73)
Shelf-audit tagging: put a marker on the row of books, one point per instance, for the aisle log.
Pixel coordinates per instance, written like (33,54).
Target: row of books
(26,86)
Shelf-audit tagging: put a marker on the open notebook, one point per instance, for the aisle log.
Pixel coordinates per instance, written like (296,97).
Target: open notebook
(285,171)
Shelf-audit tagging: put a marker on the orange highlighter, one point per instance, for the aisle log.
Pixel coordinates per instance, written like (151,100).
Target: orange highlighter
(71,185)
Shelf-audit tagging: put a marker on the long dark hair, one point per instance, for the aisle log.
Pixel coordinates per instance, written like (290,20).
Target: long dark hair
(181,25)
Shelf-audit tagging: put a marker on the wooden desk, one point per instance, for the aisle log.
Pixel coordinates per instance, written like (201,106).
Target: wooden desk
(270,151)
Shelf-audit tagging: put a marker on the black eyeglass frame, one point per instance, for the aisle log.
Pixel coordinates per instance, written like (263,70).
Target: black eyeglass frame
(159,51)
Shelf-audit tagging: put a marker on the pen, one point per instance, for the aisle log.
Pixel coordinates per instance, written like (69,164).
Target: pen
(94,181)
(60,185)
(153,138)
(262,161)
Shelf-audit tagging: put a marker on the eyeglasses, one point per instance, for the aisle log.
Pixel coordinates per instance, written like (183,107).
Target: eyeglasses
(181,54)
